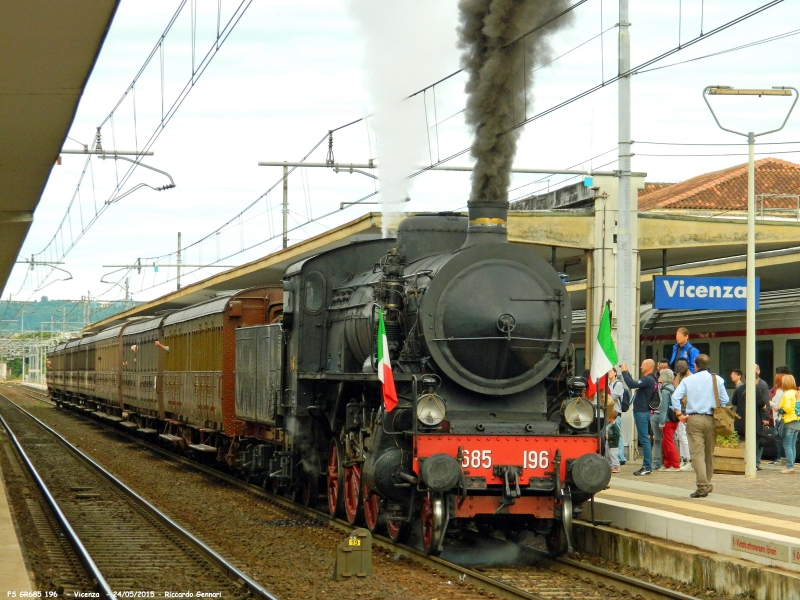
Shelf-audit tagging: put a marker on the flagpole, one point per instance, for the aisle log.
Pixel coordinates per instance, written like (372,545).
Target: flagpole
(599,418)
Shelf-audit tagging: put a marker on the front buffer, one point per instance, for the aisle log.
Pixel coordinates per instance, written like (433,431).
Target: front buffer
(510,481)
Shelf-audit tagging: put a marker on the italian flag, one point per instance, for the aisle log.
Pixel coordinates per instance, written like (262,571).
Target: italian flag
(604,356)
(385,368)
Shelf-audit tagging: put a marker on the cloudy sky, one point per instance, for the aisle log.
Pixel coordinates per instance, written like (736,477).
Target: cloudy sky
(289,72)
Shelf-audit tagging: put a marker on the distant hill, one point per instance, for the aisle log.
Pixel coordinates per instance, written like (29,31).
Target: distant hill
(58,315)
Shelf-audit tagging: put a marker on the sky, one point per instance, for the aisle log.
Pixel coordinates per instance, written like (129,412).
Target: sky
(290,72)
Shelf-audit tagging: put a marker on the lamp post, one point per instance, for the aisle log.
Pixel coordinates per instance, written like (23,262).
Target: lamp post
(750,343)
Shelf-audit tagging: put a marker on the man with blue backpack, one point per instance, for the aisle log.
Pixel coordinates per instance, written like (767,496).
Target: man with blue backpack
(646,386)
(683,349)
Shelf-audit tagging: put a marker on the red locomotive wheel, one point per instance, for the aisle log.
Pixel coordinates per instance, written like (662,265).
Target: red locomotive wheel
(372,510)
(399,531)
(433,520)
(353,507)
(426,520)
(335,480)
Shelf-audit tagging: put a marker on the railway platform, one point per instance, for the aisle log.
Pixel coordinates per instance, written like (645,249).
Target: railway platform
(744,538)
(13,572)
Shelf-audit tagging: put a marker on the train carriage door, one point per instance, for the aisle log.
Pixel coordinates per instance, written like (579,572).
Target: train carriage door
(765,359)
(313,299)
(793,356)
(729,359)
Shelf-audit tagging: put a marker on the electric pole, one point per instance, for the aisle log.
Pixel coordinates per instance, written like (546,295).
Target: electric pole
(627,243)
(285,205)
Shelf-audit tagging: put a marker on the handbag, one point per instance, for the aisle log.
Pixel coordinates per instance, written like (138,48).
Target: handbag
(767,434)
(724,416)
(671,416)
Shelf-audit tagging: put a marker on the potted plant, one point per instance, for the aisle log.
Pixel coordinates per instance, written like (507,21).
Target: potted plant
(729,455)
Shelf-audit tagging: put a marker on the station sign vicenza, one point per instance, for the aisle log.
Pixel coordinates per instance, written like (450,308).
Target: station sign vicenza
(702,293)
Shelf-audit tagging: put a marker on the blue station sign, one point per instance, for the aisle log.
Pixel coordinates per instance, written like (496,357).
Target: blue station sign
(702,293)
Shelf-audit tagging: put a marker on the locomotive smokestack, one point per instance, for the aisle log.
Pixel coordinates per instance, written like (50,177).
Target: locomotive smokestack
(499,77)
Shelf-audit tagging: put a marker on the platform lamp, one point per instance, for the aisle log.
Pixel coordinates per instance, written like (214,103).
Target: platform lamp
(750,343)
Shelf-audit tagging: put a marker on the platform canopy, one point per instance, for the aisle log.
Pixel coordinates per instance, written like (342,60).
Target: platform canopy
(47,51)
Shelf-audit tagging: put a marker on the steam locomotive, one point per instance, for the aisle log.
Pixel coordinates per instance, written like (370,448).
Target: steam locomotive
(281,384)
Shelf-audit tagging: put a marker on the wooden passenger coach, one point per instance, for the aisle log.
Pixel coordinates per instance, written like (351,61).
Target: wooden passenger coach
(173,375)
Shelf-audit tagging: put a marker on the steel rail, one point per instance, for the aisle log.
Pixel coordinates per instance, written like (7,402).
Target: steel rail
(645,590)
(210,555)
(100,584)
(624,582)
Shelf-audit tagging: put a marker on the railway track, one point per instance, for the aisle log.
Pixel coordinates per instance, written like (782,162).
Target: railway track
(542,578)
(126,546)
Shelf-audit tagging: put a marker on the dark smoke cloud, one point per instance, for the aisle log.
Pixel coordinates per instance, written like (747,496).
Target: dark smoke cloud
(496,85)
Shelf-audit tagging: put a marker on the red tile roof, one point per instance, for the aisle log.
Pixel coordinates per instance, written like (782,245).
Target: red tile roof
(727,189)
(652,186)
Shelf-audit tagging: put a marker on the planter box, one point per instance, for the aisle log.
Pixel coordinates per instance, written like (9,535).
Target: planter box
(729,460)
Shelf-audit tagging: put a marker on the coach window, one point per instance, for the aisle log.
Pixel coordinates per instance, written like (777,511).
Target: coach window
(648,352)
(793,355)
(667,351)
(703,348)
(314,292)
(764,359)
(729,359)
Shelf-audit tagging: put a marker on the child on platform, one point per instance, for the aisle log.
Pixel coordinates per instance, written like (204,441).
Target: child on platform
(612,437)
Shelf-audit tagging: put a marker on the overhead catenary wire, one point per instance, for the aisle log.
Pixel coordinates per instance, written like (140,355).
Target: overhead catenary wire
(712,143)
(723,154)
(197,72)
(440,161)
(734,49)
(641,66)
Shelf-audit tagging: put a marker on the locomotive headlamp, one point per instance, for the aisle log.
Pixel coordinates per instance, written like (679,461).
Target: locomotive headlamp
(431,409)
(578,413)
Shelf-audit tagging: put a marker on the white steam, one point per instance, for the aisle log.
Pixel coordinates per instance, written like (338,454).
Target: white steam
(407,46)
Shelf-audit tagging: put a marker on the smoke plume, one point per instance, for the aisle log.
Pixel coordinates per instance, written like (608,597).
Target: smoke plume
(407,45)
(498,80)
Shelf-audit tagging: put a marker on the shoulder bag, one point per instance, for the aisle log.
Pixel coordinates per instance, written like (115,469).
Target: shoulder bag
(671,416)
(724,416)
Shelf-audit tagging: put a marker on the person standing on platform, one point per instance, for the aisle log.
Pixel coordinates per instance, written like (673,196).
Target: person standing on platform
(617,391)
(668,427)
(682,366)
(739,400)
(698,416)
(612,439)
(662,364)
(736,378)
(791,422)
(683,349)
(655,424)
(762,414)
(774,403)
(645,388)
